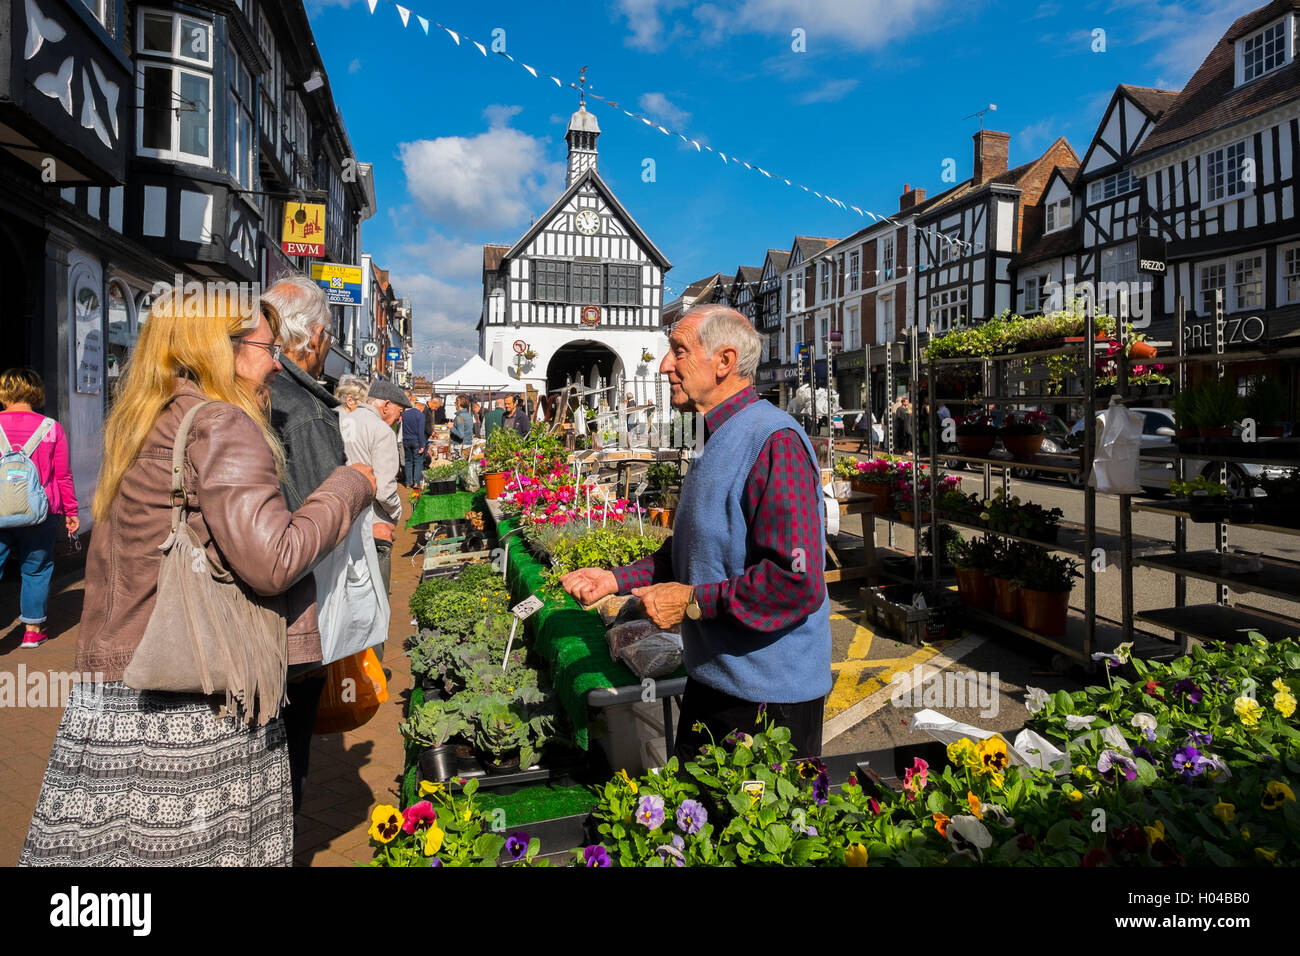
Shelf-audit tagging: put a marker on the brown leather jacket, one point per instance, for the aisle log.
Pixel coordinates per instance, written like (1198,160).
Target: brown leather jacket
(237,511)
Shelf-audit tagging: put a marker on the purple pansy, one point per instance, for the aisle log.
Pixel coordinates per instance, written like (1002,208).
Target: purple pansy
(821,788)
(1196,738)
(1112,761)
(595,856)
(673,851)
(650,811)
(1140,751)
(1189,763)
(1187,687)
(436,862)
(1150,735)
(691,816)
(517,846)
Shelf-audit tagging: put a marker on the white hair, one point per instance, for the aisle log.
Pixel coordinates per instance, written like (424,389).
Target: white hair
(351,386)
(722,326)
(303,308)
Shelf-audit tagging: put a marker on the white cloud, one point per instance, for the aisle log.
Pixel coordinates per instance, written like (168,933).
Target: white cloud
(829,92)
(444,316)
(491,180)
(660,108)
(1031,140)
(354,66)
(498,116)
(645,18)
(1182,33)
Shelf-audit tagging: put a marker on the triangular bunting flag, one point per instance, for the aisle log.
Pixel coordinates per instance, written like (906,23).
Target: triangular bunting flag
(747,166)
(874,217)
(404,13)
(424,24)
(557,82)
(646,121)
(804,188)
(788,183)
(818,195)
(481,48)
(723,155)
(372,4)
(454,35)
(664,131)
(612,103)
(709,148)
(697,145)
(529,69)
(765,172)
(856,209)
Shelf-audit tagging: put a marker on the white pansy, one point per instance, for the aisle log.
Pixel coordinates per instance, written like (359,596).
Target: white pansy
(1116,739)
(1075,722)
(1143,721)
(967,835)
(1036,699)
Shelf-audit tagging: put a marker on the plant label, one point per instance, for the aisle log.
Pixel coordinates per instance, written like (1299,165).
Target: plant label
(527,607)
(510,643)
(754,788)
(639,490)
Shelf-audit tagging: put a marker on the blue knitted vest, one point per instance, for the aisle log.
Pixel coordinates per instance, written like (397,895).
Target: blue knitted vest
(711,543)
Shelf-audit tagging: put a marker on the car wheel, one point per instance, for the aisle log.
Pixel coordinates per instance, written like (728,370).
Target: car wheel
(1075,479)
(1024,474)
(1238,486)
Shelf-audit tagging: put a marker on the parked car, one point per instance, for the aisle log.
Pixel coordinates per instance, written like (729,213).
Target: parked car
(1156,473)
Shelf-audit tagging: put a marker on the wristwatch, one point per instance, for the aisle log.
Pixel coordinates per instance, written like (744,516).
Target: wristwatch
(693,607)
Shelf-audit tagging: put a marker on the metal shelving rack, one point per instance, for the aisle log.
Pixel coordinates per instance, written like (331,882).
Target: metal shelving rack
(1278,578)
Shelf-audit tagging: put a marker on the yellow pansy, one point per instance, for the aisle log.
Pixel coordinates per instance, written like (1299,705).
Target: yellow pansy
(962,753)
(1245,834)
(993,755)
(1266,854)
(1280,686)
(1247,710)
(1276,793)
(433,839)
(1155,832)
(430,786)
(627,781)
(1284,703)
(1074,795)
(1224,811)
(855,855)
(466,815)
(385,823)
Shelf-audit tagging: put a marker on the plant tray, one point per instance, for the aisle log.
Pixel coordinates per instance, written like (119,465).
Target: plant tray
(889,607)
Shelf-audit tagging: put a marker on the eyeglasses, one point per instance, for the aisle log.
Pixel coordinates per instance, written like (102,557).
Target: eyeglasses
(275,350)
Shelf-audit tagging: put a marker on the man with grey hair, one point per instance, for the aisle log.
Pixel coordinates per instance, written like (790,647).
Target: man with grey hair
(743,573)
(303,418)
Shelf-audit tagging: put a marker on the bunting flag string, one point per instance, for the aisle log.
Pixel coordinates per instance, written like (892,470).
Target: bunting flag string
(862,212)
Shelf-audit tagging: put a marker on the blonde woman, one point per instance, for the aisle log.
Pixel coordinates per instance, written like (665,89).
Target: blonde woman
(140,777)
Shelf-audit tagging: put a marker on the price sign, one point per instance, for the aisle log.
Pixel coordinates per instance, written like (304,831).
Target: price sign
(639,490)
(527,607)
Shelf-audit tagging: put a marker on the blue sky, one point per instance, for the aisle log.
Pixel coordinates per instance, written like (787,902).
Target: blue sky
(468,149)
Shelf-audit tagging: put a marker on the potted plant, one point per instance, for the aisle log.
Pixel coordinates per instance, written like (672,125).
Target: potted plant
(430,727)
(971,557)
(875,477)
(1266,402)
(510,731)
(1044,582)
(1203,500)
(1139,347)
(432,659)
(1008,558)
(976,434)
(504,452)
(956,506)
(1217,408)
(441,479)
(1039,523)
(1022,435)
(846,469)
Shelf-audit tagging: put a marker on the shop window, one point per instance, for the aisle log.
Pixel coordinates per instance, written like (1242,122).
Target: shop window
(174,88)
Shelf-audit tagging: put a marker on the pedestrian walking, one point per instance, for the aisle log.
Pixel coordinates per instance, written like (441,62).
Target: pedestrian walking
(44,448)
(462,426)
(148,777)
(414,442)
(303,419)
(368,438)
(755,619)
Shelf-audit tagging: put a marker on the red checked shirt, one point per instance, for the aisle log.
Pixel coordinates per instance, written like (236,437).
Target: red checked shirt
(780,506)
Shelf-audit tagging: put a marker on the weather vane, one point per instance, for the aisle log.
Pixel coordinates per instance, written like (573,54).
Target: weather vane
(582,88)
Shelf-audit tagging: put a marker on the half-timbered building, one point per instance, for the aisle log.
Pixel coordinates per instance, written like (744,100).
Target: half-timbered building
(966,240)
(771,371)
(1219,174)
(144,140)
(581,290)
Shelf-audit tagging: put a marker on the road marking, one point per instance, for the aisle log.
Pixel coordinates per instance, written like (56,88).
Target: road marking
(880,687)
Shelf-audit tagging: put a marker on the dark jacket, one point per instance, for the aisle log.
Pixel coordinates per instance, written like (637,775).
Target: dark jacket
(237,511)
(303,417)
(414,431)
(519,420)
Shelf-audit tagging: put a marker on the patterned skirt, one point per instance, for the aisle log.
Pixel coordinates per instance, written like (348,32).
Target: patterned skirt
(143,778)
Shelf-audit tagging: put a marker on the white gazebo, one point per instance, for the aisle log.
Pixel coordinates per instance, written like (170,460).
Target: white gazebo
(477,377)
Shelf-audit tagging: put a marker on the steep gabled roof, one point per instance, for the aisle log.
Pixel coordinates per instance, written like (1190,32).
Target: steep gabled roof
(590,175)
(748,274)
(809,246)
(700,286)
(780,258)
(1212,101)
(1152,101)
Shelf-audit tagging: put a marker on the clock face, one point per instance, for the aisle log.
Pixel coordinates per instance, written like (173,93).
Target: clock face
(587,222)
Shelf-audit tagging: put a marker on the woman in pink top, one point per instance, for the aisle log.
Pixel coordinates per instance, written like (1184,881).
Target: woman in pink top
(21,390)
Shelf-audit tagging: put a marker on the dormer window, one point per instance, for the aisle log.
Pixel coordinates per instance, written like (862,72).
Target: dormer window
(1265,50)
(1058,215)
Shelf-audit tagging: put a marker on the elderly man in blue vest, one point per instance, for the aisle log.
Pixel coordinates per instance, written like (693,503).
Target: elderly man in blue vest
(743,570)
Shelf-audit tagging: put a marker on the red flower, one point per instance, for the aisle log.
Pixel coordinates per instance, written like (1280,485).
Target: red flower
(1025,841)
(1152,689)
(1094,857)
(875,807)
(417,815)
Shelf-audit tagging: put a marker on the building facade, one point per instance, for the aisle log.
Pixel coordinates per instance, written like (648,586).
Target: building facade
(139,143)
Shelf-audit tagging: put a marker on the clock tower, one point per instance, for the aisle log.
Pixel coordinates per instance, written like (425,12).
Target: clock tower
(581,137)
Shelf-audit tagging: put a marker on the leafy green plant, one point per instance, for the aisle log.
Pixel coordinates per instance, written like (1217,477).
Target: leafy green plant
(508,724)
(1217,404)
(1266,400)
(435,722)
(432,653)
(663,474)
(1185,408)
(974,553)
(1042,571)
(1200,485)
(602,548)
(440,473)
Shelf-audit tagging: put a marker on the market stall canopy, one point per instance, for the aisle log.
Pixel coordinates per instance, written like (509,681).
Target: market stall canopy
(477,376)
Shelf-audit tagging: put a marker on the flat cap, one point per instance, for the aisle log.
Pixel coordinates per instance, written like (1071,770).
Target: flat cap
(386,391)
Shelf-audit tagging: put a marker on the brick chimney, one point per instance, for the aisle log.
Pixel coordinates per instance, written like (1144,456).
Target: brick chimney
(910,197)
(991,149)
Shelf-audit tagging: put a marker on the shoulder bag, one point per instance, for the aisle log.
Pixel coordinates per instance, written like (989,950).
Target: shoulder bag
(206,636)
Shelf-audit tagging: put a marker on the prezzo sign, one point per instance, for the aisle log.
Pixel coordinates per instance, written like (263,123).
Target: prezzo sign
(1236,331)
(1152,254)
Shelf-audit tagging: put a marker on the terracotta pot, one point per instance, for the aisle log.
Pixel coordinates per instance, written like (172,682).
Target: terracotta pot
(1141,350)
(906,516)
(973,588)
(1023,447)
(1044,612)
(881,495)
(656,515)
(495,482)
(976,446)
(1006,603)
(666,516)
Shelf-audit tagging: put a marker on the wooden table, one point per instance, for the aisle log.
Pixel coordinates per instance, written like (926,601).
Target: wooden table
(863,506)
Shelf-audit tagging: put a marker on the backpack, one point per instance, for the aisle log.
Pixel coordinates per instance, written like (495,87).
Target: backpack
(22,496)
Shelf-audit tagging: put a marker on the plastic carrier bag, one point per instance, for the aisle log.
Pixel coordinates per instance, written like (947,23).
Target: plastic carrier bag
(354,688)
(1119,446)
(625,635)
(654,655)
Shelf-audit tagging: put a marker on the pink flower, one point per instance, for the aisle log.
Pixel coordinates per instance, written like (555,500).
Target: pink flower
(418,814)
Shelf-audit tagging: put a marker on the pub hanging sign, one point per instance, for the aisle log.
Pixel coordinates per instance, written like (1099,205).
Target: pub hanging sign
(304,229)
(1152,254)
